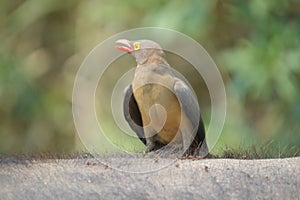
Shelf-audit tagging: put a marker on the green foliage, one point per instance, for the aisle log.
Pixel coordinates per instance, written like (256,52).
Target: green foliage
(256,45)
(264,69)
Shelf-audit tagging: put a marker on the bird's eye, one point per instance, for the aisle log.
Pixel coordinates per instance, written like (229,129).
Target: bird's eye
(136,46)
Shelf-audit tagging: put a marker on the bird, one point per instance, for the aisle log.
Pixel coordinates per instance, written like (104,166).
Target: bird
(158,106)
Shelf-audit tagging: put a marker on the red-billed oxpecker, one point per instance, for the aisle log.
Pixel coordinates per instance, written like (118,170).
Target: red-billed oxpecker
(161,108)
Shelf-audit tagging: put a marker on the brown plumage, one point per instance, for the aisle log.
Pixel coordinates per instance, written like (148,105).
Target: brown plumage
(158,106)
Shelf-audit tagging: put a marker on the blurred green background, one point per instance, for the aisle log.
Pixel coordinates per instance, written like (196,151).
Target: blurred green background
(255,44)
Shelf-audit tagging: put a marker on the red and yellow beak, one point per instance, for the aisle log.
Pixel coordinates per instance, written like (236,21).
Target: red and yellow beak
(124,45)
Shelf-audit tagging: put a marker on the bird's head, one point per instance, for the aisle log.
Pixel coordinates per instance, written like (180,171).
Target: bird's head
(144,51)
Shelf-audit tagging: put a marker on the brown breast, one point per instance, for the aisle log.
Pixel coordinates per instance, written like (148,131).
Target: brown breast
(152,88)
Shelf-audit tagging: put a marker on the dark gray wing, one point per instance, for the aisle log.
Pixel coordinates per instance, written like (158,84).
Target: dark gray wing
(132,114)
(191,109)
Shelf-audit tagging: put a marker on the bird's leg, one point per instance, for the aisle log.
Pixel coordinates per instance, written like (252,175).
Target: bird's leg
(153,144)
(150,142)
(150,146)
(203,150)
(188,140)
(198,150)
